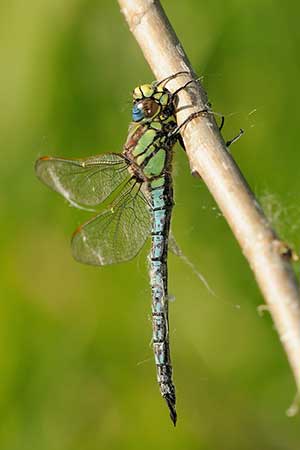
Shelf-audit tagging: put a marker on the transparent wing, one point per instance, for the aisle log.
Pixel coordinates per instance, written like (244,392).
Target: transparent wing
(117,234)
(85,181)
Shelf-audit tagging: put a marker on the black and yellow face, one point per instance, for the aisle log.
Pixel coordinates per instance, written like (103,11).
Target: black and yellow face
(150,102)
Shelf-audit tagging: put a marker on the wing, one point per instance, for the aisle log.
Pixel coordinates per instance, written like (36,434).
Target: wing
(117,234)
(86,181)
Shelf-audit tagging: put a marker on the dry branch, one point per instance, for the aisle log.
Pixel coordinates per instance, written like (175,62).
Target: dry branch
(267,255)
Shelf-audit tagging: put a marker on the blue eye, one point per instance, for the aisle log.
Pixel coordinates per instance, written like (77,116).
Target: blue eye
(137,113)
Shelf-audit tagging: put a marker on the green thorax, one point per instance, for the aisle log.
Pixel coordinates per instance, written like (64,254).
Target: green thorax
(148,148)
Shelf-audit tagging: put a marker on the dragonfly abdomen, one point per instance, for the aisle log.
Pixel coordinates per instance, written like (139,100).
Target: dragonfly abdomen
(161,208)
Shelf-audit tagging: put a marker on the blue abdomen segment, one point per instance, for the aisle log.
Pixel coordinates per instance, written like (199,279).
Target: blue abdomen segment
(157,198)
(159,329)
(161,207)
(158,221)
(158,242)
(160,353)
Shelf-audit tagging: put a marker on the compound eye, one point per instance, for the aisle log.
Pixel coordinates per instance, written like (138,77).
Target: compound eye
(150,107)
(137,112)
(146,108)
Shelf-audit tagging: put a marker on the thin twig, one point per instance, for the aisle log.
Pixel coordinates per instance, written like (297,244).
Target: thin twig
(267,255)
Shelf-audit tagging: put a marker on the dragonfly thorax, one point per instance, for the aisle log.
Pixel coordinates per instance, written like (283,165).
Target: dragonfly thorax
(151,137)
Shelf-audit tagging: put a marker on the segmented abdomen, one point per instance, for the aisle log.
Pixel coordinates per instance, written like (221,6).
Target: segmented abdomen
(161,196)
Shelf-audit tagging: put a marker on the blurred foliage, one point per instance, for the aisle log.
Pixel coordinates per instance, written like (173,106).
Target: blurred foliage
(76,365)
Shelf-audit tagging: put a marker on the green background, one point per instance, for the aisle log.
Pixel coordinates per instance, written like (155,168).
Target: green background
(76,364)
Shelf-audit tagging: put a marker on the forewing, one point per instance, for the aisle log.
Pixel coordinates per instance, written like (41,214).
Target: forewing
(117,234)
(86,181)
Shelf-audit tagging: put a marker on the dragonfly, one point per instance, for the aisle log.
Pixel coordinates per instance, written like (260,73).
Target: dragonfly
(141,179)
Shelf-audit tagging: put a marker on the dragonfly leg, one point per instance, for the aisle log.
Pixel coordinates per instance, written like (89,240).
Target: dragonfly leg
(184,86)
(192,116)
(179,137)
(222,123)
(236,138)
(166,80)
(180,140)
(231,141)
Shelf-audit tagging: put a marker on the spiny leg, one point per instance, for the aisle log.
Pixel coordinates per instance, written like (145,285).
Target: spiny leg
(236,138)
(171,77)
(202,113)
(192,116)
(222,123)
(184,86)
(187,120)
(180,141)
(196,114)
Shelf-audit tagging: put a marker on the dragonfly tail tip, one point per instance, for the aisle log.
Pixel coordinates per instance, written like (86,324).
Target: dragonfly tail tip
(173,416)
(171,406)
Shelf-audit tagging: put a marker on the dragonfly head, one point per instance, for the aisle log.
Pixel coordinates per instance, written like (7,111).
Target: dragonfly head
(151,101)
